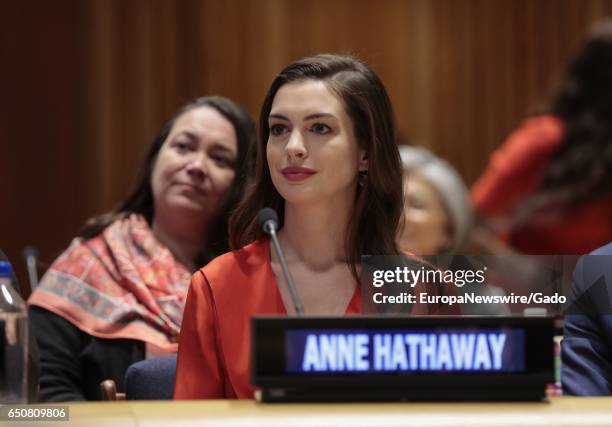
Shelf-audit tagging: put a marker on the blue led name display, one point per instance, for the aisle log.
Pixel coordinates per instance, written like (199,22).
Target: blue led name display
(448,350)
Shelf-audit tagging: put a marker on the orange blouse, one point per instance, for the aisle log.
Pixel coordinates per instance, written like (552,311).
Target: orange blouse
(215,343)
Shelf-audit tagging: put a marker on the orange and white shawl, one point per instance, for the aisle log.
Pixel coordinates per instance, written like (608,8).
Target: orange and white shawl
(122,283)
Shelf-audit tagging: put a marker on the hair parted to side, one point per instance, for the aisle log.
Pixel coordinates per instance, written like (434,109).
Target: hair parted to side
(140,200)
(378,203)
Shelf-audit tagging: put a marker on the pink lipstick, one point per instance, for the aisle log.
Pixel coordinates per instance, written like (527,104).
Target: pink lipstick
(297,173)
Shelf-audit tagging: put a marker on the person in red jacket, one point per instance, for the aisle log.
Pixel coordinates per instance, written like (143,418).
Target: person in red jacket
(548,188)
(328,163)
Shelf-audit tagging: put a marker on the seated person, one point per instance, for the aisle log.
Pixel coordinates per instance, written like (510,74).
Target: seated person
(586,349)
(116,295)
(437,211)
(547,190)
(327,162)
(438,220)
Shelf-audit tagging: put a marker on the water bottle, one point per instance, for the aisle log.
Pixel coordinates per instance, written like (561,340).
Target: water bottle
(13,340)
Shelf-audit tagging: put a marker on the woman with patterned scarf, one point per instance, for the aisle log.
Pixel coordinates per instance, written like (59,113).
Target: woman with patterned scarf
(116,295)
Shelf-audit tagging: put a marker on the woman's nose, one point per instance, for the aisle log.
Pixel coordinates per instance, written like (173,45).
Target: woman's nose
(295,148)
(197,166)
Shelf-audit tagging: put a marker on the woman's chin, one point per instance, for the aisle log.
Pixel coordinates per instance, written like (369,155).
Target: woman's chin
(182,207)
(297,196)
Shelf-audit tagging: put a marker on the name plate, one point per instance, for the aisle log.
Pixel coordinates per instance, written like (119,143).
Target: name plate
(402,358)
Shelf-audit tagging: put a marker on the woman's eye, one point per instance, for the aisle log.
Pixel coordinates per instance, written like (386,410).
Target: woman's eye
(181,147)
(415,202)
(278,129)
(320,128)
(222,161)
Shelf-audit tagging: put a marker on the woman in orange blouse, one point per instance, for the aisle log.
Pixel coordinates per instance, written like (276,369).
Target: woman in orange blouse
(327,162)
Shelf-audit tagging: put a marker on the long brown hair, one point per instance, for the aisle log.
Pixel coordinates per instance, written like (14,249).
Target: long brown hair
(378,200)
(141,201)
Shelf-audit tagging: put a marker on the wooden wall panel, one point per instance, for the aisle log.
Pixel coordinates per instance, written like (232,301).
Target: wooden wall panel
(88,83)
(40,144)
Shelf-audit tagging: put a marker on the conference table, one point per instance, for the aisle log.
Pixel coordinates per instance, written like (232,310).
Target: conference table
(558,411)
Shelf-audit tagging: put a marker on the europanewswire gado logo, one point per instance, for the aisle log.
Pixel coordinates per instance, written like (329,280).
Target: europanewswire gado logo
(471,285)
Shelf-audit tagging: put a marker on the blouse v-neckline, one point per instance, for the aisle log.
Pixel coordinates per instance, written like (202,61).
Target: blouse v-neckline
(353,307)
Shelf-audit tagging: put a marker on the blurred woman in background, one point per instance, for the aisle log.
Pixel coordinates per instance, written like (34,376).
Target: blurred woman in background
(437,211)
(438,222)
(116,295)
(548,188)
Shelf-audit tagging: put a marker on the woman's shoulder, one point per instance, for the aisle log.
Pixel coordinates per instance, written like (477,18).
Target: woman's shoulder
(241,263)
(545,123)
(516,167)
(539,133)
(101,251)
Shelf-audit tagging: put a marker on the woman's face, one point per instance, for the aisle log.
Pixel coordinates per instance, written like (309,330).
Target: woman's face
(312,151)
(195,165)
(425,219)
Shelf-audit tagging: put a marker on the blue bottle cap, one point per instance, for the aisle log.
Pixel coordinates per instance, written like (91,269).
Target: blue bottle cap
(6,270)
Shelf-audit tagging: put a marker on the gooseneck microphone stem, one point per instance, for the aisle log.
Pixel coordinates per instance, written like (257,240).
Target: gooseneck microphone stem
(31,254)
(269,220)
(279,252)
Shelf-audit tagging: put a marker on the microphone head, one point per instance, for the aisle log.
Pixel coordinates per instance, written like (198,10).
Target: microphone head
(30,251)
(267,218)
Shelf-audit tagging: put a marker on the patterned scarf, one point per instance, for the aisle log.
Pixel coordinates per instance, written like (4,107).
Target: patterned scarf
(120,284)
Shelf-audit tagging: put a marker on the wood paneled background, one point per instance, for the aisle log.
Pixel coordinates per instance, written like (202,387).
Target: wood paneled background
(86,83)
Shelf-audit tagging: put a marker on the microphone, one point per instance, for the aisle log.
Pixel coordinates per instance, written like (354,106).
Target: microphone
(31,258)
(269,223)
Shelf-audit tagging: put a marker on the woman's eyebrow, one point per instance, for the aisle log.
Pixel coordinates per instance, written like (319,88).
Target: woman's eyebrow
(319,115)
(277,116)
(308,117)
(187,133)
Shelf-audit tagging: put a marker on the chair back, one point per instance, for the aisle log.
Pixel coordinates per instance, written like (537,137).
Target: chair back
(151,379)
